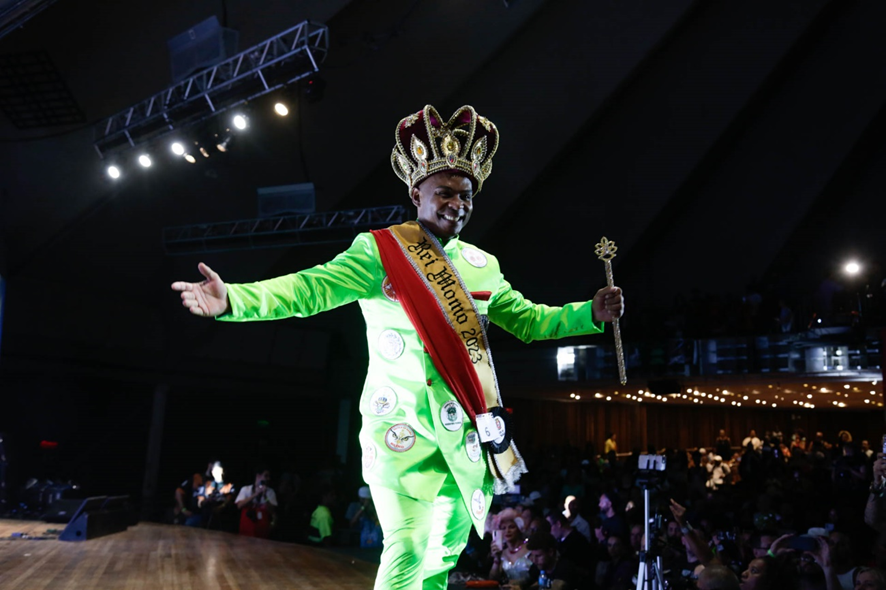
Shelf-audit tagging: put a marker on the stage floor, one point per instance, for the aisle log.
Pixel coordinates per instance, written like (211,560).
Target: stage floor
(150,556)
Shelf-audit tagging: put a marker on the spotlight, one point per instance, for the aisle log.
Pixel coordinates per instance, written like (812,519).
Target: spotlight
(204,152)
(177,148)
(281,109)
(145,161)
(113,172)
(240,122)
(852,268)
(190,159)
(223,145)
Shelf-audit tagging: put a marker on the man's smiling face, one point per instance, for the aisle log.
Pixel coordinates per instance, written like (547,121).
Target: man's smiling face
(444,202)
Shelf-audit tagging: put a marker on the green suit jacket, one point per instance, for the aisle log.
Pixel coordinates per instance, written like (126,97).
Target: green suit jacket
(414,430)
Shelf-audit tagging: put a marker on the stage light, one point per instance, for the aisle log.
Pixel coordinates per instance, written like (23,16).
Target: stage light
(190,159)
(281,109)
(145,161)
(852,268)
(204,152)
(177,148)
(113,172)
(223,145)
(240,122)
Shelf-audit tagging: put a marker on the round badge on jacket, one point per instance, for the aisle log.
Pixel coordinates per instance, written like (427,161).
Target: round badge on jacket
(451,415)
(472,446)
(369,454)
(388,289)
(390,344)
(478,504)
(474,257)
(400,437)
(382,401)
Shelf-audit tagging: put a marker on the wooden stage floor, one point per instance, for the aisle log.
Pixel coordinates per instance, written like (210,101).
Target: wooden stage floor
(151,556)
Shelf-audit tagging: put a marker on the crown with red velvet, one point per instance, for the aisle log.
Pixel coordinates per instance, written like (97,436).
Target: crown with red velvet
(427,145)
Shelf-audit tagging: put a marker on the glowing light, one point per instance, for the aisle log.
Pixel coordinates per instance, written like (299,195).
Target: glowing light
(114,173)
(281,109)
(190,159)
(852,268)
(744,397)
(577,397)
(204,152)
(572,395)
(608,398)
(145,161)
(240,122)
(177,148)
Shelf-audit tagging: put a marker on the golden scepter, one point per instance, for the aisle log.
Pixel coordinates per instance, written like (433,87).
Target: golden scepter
(605,251)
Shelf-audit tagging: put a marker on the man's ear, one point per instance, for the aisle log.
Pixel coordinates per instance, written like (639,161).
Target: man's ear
(415,195)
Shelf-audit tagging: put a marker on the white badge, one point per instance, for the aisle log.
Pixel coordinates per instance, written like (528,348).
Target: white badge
(369,454)
(451,415)
(486,427)
(478,504)
(391,344)
(474,257)
(383,401)
(400,437)
(499,429)
(472,446)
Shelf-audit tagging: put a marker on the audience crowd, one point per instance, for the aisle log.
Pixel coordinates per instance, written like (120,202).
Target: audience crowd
(773,513)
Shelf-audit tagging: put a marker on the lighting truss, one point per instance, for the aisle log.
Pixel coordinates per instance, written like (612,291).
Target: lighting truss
(16,13)
(272,64)
(279,232)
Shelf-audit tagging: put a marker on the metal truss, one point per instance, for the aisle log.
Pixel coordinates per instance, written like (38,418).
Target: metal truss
(272,64)
(279,232)
(15,14)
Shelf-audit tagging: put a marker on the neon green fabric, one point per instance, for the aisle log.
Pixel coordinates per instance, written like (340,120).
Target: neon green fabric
(407,408)
(422,539)
(321,519)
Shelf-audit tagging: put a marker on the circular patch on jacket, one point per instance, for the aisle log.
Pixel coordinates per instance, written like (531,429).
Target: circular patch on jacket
(474,257)
(500,429)
(382,401)
(369,454)
(472,446)
(388,289)
(391,344)
(478,504)
(452,416)
(400,437)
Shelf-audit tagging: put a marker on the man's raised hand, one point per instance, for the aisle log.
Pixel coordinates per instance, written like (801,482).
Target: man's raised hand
(208,298)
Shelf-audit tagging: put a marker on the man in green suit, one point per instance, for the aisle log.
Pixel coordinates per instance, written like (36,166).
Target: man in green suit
(435,440)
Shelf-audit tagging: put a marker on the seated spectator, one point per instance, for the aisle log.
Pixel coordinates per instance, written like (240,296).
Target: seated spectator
(636,538)
(611,524)
(869,578)
(320,529)
(717,577)
(572,511)
(361,515)
(258,505)
(510,557)
(618,572)
(187,502)
(572,545)
(543,554)
(218,501)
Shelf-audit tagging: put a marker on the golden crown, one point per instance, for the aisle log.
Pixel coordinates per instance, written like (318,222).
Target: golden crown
(426,145)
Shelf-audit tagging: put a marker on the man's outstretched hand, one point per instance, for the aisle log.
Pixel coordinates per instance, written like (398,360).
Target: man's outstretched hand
(209,298)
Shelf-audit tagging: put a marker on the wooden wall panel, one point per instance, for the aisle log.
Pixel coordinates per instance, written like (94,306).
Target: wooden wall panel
(546,422)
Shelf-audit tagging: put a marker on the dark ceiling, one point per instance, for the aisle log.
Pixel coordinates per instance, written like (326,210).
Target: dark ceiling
(716,143)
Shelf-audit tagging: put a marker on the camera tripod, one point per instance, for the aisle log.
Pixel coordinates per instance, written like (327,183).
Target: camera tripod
(649,573)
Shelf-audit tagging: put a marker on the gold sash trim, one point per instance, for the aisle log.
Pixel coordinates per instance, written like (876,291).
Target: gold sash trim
(433,266)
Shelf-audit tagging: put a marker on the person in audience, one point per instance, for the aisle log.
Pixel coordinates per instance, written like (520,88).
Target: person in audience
(573,513)
(752,439)
(361,515)
(869,578)
(562,573)
(510,556)
(258,505)
(717,577)
(611,522)
(621,568)
(188,500)
(217,506)
(320,529)
(723,444)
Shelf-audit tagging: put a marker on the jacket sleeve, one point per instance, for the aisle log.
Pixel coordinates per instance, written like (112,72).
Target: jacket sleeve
(346,278)
(530,321)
